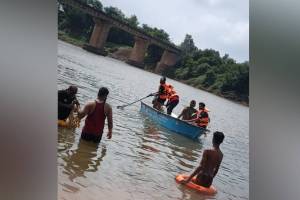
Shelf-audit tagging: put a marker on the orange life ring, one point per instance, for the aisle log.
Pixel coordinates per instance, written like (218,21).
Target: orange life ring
(208,191)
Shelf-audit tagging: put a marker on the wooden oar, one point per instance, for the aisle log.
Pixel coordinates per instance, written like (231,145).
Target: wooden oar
(123,106)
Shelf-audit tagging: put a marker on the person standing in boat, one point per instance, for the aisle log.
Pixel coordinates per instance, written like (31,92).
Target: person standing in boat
(210,163)
(162,94)
(189,112)
(173,99)
(67,101)
(96,111)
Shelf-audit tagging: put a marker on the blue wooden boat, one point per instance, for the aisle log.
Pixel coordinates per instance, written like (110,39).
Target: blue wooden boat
(172,123)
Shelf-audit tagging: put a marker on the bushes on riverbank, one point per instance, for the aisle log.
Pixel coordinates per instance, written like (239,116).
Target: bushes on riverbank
(204,69)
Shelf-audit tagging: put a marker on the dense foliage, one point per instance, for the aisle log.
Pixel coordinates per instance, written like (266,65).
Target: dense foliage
(204,69)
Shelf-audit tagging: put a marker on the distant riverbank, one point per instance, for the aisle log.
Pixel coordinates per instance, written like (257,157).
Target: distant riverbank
(110,47)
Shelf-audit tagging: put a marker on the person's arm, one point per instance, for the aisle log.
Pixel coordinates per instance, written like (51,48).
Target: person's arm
(198,169)
(181,114)
(76,102)
(108,112)
(66,105)
(191,120)
(85,111)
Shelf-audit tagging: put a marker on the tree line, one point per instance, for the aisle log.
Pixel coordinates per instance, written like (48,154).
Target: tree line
(204,69)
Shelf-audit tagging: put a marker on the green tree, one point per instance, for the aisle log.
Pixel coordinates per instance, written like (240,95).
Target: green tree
(76,23)
(157,33)
(187,46)
(133,21)
(95,4)
(210,78)
(115,12)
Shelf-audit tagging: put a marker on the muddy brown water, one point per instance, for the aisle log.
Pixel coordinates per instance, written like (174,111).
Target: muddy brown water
(142,159)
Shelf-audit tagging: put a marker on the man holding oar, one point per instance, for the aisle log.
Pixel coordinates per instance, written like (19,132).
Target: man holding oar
(161,95)
(96,111)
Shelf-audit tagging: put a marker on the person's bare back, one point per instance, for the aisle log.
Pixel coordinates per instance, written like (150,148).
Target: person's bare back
(210,163)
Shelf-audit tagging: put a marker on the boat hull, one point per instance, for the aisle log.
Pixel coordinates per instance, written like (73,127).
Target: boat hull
(172,123)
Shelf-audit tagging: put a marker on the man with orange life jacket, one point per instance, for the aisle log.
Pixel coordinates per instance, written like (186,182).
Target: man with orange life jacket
(96,111)
(173,99)
(202,118)
(162,94)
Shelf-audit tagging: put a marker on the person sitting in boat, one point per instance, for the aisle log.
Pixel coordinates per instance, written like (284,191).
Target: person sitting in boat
(162,94)
(189,112)
(210,163)
(173,99)
(202,118)
(96,111)
(67,102)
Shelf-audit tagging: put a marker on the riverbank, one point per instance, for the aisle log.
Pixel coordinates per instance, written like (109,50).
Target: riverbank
(228,96)
(111,48)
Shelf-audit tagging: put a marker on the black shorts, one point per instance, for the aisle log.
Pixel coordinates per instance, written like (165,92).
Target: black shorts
(91,137)
(204,180)
(161,101)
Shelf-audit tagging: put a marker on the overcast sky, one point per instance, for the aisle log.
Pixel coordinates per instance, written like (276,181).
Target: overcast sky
(222,25)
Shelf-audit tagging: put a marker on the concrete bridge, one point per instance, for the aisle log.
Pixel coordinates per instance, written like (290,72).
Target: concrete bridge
(103,23)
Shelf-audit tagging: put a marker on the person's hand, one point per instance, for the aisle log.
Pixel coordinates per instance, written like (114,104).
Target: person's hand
(76,102)
(184,181)
(76,108)
(109,134)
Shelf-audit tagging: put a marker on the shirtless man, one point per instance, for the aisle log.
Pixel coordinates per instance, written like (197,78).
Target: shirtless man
(189,112)
(210,163)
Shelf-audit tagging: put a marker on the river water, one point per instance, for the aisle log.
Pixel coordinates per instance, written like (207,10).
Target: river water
(142,159)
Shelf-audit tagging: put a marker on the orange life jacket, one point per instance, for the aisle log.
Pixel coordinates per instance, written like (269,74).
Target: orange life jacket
(202,121)
(172,95)
(165,93)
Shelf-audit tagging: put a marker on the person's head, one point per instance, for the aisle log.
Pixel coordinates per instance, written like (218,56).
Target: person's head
(163,80)
(192,103)
(102,93)
(72,90)
(218,138)
(201,105)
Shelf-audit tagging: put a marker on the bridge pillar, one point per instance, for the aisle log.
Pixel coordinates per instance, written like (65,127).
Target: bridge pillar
(98,37)
(168,59)
(137,54)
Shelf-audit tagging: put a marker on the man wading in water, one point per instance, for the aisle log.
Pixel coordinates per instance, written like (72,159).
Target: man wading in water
(210,163)
(96,112)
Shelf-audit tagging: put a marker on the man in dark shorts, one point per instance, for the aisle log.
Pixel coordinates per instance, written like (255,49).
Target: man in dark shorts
(66,102)
(210,163)
(189,112)
(96,111)
(173,99)
(161,95)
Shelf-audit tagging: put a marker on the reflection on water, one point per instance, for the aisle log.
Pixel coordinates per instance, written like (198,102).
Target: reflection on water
(84,159)
(142,159)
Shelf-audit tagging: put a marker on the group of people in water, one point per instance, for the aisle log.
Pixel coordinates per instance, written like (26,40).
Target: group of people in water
(98,110)
(166,92)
